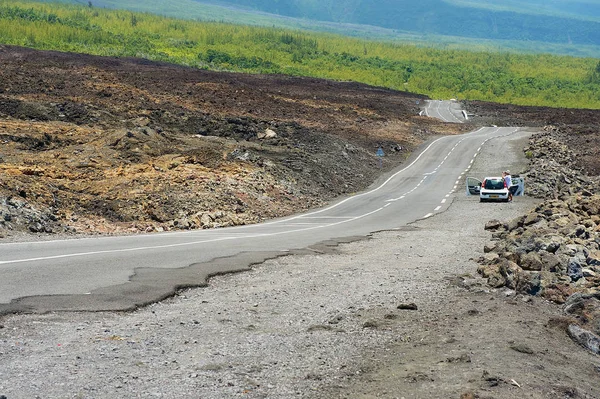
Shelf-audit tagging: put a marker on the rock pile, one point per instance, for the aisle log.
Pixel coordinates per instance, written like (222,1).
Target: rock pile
(553,169)
(554,250)
(18,212)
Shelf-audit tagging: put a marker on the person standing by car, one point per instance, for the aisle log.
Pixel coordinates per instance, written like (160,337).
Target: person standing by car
(508,184)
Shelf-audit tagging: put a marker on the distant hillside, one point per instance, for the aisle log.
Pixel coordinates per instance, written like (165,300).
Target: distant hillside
(486,19)
(535,26)
(578,9)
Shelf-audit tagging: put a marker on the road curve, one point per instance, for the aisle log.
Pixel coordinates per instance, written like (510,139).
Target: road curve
(120,273)
(447,111)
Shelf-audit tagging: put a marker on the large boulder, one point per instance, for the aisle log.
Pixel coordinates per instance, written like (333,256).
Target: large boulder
(585,338)
(531,261)
(574,269)
(494,225)
(593,258)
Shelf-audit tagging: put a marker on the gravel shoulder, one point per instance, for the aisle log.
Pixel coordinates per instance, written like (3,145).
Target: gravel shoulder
(322,326)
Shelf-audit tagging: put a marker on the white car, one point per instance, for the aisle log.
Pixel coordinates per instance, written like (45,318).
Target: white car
(491,189)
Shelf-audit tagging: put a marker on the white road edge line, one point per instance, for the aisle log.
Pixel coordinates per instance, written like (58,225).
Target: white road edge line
(183,244)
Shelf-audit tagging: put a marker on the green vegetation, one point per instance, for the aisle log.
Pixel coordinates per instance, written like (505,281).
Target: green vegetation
(562,22)
(337,16)
(500,77)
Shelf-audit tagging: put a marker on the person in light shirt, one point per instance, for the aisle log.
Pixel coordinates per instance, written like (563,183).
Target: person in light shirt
(508,184)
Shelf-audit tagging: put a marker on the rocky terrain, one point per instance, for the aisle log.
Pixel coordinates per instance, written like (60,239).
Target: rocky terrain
(553,251)
(94,145)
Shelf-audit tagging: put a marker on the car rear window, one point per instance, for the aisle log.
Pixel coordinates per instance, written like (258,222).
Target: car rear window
(494,184)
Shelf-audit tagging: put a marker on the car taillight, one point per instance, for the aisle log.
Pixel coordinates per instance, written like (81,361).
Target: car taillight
(483,184)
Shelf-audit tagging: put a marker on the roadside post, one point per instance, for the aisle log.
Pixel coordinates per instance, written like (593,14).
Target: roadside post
(380,155)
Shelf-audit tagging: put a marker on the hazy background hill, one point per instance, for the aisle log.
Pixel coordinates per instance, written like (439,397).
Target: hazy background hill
(350,10)
(586,9)
(345,10)
(549,21)
(551,26)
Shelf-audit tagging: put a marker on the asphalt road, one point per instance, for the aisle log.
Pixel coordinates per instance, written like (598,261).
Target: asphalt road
(119,273)
(448,111)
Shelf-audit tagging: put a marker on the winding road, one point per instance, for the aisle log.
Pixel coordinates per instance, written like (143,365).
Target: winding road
(120,273)
(448,111)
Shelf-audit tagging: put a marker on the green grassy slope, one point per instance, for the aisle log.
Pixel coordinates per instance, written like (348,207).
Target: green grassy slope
(500,77)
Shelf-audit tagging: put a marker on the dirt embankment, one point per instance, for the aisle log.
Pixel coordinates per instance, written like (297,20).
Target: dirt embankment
(106,145)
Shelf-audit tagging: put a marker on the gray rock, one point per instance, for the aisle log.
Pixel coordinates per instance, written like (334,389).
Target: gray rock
(593,258)
(206,220)
(521,347)
(531,261)
(267,134)
(531,219)
(510,272)
(514,224)
(551,262)
(529,283)
(574,303)
(36,228)
(511,256)
(577,302)
(574,269)
(489,247)
(494,225)
(552,247)
(488,258)
(585,338)
(589,273)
